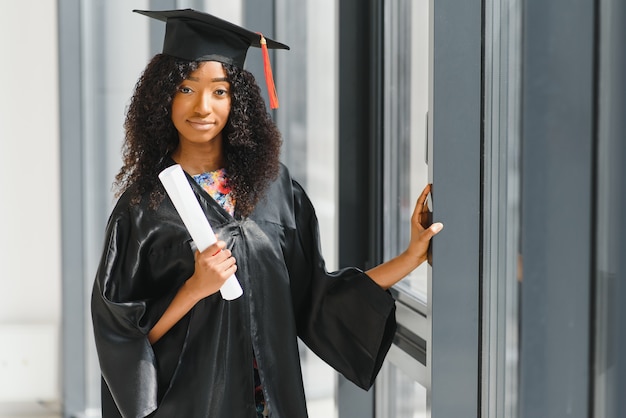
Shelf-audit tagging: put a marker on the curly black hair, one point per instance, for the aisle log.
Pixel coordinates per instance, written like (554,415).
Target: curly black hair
(251,139)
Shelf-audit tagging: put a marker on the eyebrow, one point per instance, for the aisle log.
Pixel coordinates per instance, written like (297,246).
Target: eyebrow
(213,80)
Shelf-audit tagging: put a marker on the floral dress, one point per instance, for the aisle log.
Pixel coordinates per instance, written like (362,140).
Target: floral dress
(215,184)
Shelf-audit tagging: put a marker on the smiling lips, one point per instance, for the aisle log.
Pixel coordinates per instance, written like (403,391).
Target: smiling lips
(201,125)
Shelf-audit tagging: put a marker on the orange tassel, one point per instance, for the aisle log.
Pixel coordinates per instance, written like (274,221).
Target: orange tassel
(269,78)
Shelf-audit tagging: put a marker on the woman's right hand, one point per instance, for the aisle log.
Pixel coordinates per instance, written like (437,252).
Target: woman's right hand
(213,267)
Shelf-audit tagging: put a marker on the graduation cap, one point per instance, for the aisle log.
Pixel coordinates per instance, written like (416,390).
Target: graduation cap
(196,36)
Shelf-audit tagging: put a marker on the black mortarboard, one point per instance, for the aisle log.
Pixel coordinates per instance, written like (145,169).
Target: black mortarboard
(198,36)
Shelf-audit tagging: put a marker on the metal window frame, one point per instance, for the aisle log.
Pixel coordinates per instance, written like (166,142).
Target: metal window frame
(558,135)
(454,155)
(360,157)
(73,350)
(609,371)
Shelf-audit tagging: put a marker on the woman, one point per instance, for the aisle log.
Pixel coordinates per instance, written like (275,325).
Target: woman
(168,344)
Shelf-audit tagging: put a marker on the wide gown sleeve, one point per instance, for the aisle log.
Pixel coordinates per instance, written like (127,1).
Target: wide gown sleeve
(344,316)
(126,303)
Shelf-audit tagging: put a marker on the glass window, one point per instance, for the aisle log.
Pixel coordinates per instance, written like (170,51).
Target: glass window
(399,395)
(402,386)
(405,116)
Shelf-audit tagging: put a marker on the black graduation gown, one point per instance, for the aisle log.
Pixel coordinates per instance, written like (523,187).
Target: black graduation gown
(203,366)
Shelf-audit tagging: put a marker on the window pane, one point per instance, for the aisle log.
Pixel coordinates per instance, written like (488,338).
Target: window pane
(406,106)
(406,173)
(402,396)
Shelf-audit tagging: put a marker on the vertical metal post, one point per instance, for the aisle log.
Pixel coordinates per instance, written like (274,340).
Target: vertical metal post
(360,157)
(609,377)
(73,359)
(455,134)
(557,209)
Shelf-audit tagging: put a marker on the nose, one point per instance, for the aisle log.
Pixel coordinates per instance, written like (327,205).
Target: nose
(203,105)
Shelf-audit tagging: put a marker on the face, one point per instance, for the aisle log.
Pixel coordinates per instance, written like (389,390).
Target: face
(201,106)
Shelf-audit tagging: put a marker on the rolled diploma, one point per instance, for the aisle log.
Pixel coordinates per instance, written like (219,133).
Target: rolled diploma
(188,207)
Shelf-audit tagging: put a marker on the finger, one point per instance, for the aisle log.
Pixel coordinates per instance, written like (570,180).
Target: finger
(422,199)
(215,248)
(229,262)
(221,256)
(212,257)
(230,271)
(421,207)
(226,268)
(217,264)
(431,231)
(420,216)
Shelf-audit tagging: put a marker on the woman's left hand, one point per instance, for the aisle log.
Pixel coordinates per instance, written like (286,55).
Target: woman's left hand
(421,231)
(390,272)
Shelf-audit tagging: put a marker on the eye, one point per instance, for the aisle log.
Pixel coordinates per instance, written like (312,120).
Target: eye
(184,89)
(221,92)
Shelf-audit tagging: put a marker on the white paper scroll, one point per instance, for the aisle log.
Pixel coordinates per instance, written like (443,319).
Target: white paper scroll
(188,207)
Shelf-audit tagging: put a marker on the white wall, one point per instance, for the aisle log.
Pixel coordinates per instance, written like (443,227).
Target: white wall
(30,258)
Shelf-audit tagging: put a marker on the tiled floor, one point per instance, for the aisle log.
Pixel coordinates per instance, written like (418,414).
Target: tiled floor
(319,381)
(30,410)
(318,408)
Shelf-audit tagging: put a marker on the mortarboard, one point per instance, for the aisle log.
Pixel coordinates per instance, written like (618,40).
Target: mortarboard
(198,36)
